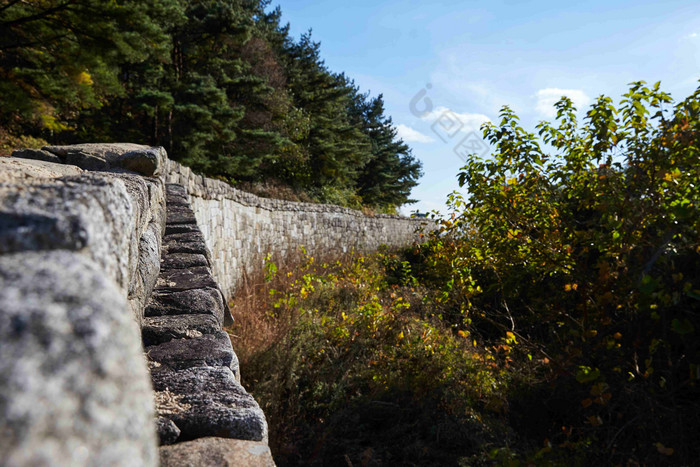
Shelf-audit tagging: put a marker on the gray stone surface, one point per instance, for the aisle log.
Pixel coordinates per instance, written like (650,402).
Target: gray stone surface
(37,154)
(90,213)
(29,171)
(181,215)
(217,452)
(175,189)
(115,219)
(159,329)
(148,161)
(175,280)
(194,236)
(145,160)
(168,432)
(180,228)
(183,260)
(74,386)
(209,349)
(196,301)
(175,246)
(148,268)
(208,402)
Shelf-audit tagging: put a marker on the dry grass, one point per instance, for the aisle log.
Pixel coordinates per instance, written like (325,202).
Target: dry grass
(255,329)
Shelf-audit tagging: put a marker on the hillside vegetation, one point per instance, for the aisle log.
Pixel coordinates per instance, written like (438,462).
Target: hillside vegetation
(219,83)
(553,319)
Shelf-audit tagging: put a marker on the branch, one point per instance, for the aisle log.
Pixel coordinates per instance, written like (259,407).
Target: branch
(9,4)
(657,254)
(36,16)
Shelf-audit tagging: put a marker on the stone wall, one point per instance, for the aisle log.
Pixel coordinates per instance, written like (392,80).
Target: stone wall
(81,236)
(79,256)
(241,229)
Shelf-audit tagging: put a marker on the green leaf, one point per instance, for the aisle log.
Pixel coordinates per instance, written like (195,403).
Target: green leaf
(586,374)
(682,327)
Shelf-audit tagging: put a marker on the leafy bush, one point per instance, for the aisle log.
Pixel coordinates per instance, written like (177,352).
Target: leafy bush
(552,320)
(582,242)
(366,375)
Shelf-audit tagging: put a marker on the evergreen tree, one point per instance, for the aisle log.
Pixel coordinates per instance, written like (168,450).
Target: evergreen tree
(392,171)
(219,83)
(337,148)
(56,59)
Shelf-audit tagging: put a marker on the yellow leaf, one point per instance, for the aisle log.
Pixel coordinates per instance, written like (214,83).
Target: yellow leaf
(401,335)
(664,450)
(84,78)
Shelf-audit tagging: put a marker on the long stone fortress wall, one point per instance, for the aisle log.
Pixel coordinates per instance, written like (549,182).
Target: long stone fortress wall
(241,229)
(99,258)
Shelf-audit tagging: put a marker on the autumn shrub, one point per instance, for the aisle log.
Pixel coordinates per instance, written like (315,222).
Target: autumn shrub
(368,374)
(581,241)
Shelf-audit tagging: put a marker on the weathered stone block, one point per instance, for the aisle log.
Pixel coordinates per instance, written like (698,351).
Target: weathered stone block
(159,329)
(183,260)
(145,160)
(209,402)
(168,432)
(37,154)
(74,386)
(175,280)
(220,452)
(90,213)
(196,301)
(207,350)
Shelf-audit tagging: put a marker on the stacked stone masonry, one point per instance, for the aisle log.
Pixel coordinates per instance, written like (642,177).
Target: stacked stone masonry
(79,256)
(241,229)
(194,369)
(96,272)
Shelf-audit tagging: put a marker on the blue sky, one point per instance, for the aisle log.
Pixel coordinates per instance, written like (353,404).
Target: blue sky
(471,58)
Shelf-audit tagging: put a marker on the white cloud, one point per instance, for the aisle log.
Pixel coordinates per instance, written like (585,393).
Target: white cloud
(409,135)
(469,122)
(546,98)
(692,35)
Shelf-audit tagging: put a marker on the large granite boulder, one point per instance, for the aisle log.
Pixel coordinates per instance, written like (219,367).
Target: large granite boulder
(74,386)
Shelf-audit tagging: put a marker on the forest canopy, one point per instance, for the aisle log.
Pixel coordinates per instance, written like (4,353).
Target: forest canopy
(220,84)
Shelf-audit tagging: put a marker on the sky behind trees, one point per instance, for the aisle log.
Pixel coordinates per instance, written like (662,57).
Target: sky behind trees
(477,57)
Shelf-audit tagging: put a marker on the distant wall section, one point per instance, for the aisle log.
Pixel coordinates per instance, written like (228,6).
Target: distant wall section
(241,228)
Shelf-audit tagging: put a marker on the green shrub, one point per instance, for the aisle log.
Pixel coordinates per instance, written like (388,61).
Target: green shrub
(364,366)
(582,242)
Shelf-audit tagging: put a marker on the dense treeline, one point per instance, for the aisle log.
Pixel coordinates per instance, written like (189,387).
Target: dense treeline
(219,83)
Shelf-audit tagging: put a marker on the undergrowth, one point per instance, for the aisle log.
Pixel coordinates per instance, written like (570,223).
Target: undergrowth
(353,365)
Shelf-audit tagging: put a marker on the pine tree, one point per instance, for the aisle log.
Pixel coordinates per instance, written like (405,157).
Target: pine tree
(56,60)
